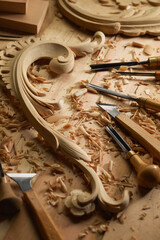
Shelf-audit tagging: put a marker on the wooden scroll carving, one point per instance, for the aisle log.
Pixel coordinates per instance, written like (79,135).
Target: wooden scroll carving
(129,17)
(17,68)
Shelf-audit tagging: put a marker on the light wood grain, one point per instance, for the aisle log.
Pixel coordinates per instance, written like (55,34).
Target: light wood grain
(150,143)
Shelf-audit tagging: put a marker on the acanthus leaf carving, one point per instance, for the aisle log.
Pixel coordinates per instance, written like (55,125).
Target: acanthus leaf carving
(35,105)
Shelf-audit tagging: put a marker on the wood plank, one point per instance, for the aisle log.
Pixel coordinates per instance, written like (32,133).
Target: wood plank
(14,6)
(30,22)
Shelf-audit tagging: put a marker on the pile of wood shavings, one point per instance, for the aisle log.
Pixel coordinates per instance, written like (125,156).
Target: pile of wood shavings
(19,146)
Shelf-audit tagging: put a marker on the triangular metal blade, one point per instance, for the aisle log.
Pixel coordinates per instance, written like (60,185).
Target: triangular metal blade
(23,180)
(110,108)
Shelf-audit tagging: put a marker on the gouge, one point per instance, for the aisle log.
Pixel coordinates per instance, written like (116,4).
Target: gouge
(143,102)
(148,74)
(147,140)
(148,175)
(9,203)
(152,62)
(45,223)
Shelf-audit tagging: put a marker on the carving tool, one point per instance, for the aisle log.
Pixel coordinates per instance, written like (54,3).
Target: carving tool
(152,62)
(141,135)
(9,203)
(143,102)
(148,74)
(44,222)
(148,175)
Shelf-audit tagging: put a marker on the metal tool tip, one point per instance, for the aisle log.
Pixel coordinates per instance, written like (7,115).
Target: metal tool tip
(105,104)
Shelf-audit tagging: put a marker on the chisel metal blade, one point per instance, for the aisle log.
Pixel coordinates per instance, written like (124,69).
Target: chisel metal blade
(115,135)
(140,134)
(108,91)
(142,101)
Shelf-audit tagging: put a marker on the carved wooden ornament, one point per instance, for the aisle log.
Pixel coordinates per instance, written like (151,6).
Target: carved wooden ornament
(16,61)
(129,17)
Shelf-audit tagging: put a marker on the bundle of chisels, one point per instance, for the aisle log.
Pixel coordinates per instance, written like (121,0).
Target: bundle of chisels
(148,175)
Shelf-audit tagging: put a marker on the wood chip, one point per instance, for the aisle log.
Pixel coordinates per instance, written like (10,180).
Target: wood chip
(148,49)
(137,44)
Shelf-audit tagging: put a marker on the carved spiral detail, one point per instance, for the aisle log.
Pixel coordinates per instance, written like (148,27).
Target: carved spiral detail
(33,101)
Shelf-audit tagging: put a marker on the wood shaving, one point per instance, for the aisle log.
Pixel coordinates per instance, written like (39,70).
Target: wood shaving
(55,168)
(80,92)
(142,216)
(133,238)
(137,44)
(146,207)
(121,217)
(148,50)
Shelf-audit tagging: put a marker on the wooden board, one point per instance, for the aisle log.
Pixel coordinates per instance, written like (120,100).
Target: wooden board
(30,22)
(14,6)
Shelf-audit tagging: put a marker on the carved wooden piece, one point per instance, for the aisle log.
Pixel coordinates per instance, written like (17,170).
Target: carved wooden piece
(131,18)
(32,100)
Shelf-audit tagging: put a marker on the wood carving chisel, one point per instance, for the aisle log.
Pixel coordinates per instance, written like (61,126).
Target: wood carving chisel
(142,101)
(152,62)
(148,175)
(148,74)
(147,140)
(43,220)
(10,204)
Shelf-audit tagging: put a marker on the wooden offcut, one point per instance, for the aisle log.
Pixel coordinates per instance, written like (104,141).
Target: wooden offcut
(14,6)
(30,22)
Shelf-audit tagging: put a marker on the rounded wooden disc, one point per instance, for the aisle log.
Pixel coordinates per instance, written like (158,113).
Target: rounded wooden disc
(129,17)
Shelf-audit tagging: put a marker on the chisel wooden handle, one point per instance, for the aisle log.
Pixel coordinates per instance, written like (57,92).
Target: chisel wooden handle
(149,103)
(147,140)
(148,175)
(45,223)
(9,203)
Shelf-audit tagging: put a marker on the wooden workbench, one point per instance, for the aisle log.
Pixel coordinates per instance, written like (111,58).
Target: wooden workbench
(140,220)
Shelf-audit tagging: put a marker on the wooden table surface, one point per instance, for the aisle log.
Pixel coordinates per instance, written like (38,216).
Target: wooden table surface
(140,220)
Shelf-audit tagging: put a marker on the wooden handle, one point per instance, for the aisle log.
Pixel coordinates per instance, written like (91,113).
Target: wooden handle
(150,143)
(45,223)
(148,176)
(9,203)
(149,103)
